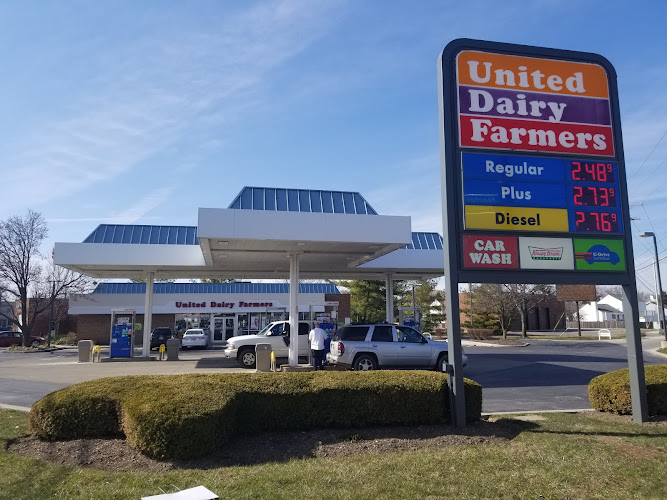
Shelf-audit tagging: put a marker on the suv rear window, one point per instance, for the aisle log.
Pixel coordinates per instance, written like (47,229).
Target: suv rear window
(383,333)
(357,333)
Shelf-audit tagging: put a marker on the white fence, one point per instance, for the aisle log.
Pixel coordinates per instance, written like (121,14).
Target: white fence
(596,325)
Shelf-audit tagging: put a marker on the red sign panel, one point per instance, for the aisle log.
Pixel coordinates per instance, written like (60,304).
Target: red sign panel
(497,252)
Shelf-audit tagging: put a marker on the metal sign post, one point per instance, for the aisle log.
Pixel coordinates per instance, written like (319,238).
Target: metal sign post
(533,180)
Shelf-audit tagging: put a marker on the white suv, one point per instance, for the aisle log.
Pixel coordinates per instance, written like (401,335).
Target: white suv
(242,347)
(369,347)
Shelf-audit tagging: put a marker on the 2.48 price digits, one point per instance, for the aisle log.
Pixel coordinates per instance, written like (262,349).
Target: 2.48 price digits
(594,196)
(598,172)
(602,222)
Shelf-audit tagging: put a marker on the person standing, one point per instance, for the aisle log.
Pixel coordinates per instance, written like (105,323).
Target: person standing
(317,336)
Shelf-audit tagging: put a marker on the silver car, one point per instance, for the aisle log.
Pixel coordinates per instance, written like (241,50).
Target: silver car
(370,347)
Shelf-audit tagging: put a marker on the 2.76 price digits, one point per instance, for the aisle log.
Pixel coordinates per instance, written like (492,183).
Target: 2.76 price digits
(597,172)
(601,222)
(594,196)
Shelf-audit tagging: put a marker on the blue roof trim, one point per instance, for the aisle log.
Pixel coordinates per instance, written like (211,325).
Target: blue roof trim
(425,241)
(301,200)
(146,235)
(174,288)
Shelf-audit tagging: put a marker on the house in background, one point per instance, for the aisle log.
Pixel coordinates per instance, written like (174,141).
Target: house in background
(608,311)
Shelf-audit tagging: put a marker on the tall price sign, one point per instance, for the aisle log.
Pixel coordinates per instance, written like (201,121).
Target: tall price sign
(534,184)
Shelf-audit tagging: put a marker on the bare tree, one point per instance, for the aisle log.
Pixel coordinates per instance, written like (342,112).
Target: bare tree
(526,297)
(27,282)
(497,299)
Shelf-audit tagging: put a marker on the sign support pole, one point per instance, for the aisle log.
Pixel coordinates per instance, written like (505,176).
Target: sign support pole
(450,251)
(635,355)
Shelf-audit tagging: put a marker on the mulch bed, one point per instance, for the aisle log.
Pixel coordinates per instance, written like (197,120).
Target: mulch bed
(116,455)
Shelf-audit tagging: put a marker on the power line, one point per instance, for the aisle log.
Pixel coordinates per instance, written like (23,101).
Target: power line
(651,153)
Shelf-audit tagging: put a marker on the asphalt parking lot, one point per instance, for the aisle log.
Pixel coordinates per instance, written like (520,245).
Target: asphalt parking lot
(544,375)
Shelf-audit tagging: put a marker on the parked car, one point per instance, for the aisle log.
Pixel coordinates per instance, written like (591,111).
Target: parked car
(16,338)
(195,337)
(160,336)
(242,347)
(370,347)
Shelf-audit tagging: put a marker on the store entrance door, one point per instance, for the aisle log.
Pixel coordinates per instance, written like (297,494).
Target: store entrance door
(224,327)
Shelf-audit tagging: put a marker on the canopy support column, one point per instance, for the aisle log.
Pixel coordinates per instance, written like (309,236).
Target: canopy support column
(389,299)
(148,316)
(293,309)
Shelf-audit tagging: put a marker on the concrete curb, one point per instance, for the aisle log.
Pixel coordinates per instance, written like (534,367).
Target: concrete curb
(472,343)
(15,408)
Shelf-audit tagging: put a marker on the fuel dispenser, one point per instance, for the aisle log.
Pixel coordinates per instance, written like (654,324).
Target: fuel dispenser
(410,316)
(122,338)
(328,320)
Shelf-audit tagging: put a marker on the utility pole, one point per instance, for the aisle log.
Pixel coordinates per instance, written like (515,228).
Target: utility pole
(470,291)
(658,283)
(53,299)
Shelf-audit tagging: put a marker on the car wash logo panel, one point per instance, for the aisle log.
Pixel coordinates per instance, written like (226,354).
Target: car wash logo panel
(567,182)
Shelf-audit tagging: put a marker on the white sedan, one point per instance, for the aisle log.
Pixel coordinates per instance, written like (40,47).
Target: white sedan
(195,337)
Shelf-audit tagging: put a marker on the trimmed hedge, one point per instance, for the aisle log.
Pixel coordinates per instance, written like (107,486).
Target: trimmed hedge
(611,392)
(185,416)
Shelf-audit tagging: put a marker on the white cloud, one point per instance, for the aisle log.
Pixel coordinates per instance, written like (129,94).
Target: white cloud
(156,91)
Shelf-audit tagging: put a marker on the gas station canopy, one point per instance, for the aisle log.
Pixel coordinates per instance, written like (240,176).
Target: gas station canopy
(337,235)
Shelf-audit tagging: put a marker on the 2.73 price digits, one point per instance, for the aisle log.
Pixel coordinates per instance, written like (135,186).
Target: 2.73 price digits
(594,196)
(600,222)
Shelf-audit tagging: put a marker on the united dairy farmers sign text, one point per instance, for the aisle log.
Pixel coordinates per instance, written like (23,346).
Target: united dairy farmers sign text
(509,102)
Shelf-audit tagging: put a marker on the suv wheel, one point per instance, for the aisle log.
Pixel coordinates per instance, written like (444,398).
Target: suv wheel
(441,365)
(365,362)
(247,358)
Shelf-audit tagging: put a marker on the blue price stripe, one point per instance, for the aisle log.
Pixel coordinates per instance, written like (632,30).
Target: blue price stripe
(512,168)
(514,194)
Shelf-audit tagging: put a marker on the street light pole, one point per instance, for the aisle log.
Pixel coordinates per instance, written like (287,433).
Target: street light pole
(658,283)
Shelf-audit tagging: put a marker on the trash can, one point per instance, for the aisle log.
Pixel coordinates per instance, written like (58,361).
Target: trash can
(263,357)
(173,345)
(85,350)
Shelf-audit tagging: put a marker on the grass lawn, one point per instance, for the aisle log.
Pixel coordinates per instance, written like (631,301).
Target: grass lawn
(563,456)
(663,350)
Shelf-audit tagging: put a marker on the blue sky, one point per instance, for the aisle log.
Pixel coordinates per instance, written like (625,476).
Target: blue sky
(141,112)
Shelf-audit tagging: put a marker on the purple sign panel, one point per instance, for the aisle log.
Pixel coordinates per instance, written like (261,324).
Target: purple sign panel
(533,105)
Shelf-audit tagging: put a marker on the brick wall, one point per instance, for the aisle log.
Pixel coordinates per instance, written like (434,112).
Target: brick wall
(97,327)
(343,300)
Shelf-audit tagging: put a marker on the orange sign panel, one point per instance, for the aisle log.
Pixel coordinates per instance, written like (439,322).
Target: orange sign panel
(530,74)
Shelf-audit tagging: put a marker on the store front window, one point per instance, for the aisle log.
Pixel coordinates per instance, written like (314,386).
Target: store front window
(192,320)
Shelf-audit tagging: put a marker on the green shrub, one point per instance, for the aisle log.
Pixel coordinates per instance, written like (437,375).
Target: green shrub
(611,392)
(69,339)
(190,415)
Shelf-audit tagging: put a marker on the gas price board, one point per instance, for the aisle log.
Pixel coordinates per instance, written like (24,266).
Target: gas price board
(533,165)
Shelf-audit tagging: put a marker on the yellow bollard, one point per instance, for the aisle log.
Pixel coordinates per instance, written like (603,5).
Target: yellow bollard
(163,348)
(273,361)
(97,351)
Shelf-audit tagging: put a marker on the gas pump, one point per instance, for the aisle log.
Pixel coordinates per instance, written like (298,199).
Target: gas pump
(412,318)
(328,320)
(122,338)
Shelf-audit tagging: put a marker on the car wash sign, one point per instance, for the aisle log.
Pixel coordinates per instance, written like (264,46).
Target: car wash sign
(533,164)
